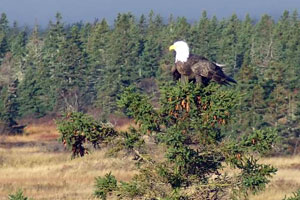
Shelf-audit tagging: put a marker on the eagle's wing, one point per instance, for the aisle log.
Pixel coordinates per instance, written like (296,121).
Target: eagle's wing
(211,71)
(184,68)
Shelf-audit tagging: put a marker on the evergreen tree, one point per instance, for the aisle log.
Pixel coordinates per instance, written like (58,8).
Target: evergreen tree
(30,96)
(9,109)
(72,73)
(51,62)
(150,57)
(262,47)
(4,30)
(186,127)
(245,37)
(18,50)
(98,44)
(200,36)
(122,66)
(97,52)
(228,44)
(251,106)
(152,47)
(124,42)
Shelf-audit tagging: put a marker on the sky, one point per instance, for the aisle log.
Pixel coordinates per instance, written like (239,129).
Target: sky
(30,12)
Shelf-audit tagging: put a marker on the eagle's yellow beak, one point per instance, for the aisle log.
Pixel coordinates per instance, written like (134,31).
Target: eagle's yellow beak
(172,47)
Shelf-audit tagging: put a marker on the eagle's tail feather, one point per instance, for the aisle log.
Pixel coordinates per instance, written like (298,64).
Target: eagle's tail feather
(228,79)
(219,65)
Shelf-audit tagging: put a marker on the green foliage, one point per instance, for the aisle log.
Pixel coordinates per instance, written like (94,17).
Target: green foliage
(30,101)
(187,124)
(132,139)
(77,128)
(105,185)
(9,110)
(149,59)
(129,190)
(18,196)
(138,107)
(3,36)
(18,44)
(51,60)
(204,108)
(261,141)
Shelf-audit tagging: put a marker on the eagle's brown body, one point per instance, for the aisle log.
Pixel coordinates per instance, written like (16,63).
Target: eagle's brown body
(201,70)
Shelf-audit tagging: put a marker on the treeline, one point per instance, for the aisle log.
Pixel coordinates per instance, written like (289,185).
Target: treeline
(86,65)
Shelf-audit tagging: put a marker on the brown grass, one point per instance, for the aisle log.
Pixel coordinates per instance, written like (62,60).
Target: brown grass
(38,164)
(286,180)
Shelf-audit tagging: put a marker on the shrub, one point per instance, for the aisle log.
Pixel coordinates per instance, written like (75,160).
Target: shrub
(187,126)
(77,128)
(105,185)
(18,196)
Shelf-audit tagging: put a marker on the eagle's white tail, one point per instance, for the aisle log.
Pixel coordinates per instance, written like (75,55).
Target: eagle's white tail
(220,65)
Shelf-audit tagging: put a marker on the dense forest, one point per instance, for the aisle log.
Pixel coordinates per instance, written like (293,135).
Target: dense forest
(84,66)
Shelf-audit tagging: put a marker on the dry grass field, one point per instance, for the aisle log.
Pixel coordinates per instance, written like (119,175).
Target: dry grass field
(38,164)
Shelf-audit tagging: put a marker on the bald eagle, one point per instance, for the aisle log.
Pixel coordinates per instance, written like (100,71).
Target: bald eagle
(197,68)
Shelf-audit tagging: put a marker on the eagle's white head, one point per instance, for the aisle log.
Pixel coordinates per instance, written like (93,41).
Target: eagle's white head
(182,51)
